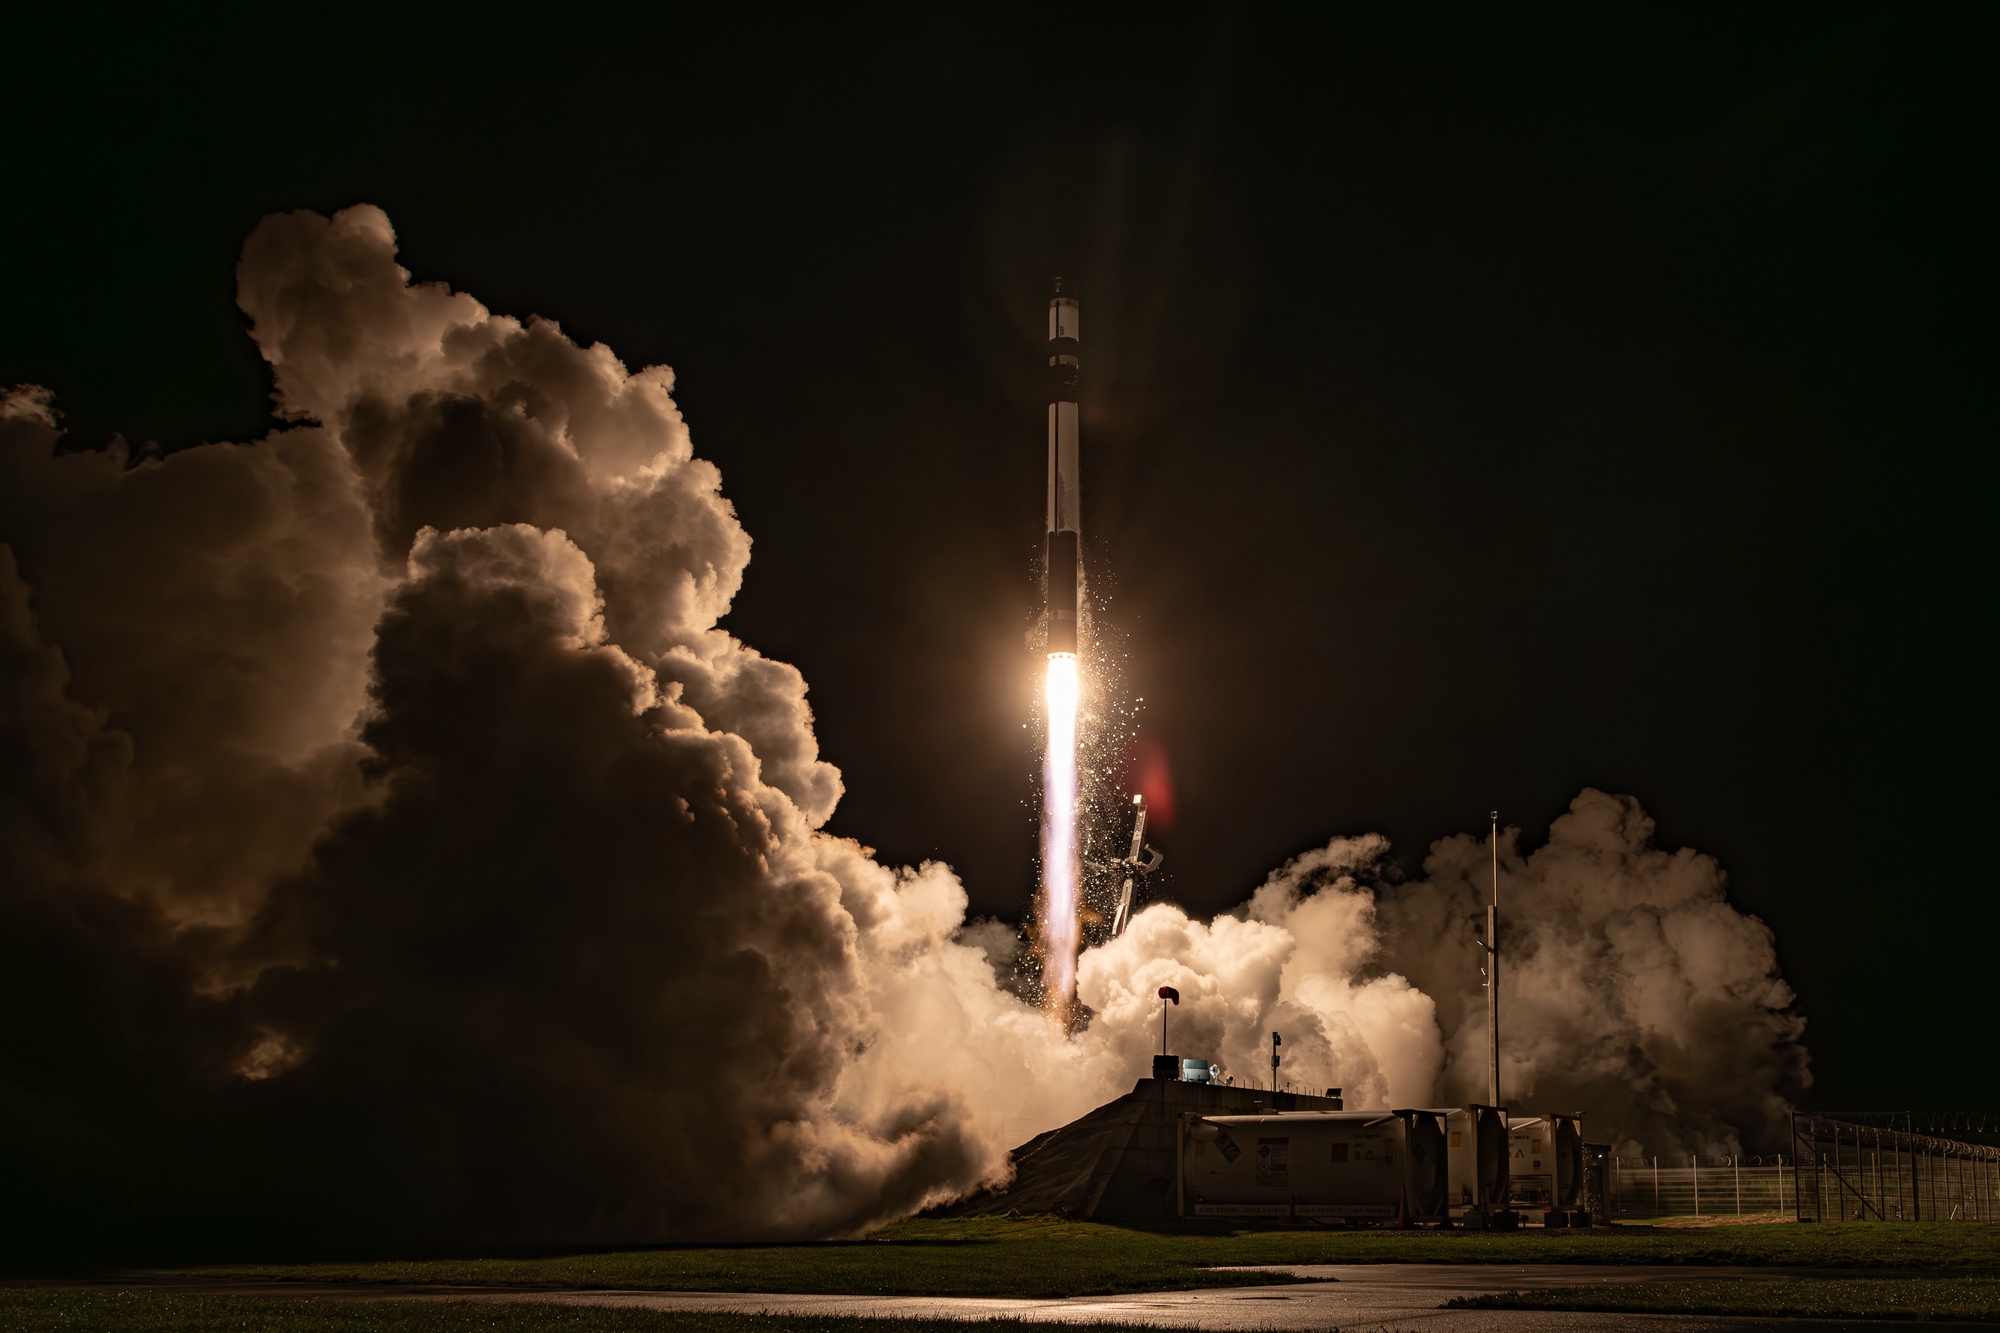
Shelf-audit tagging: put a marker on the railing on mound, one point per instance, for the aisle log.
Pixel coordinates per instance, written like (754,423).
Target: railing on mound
(1689,1186)
(1883,1167)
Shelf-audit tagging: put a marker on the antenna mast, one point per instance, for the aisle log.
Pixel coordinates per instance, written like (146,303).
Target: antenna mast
(1493,975)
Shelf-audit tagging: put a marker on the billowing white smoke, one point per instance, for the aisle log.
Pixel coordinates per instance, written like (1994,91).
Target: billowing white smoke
(1629,985)
(390,838)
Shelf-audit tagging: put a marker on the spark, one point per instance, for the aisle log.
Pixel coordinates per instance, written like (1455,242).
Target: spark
(1059,850)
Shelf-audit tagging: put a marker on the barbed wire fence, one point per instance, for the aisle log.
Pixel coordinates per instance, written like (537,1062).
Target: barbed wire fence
(1887,1166)
(1846,1166)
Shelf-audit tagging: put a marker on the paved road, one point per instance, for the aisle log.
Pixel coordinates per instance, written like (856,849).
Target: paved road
(1359,1298)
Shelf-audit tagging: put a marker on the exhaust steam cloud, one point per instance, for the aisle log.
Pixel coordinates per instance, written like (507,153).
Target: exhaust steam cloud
(392,844)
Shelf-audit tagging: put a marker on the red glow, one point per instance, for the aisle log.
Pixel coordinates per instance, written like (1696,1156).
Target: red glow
(1154,780)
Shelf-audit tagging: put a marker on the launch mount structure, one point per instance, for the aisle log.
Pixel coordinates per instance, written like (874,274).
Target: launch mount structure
(1140,862)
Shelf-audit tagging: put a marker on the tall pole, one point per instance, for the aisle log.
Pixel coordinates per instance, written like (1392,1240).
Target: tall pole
(1493,976)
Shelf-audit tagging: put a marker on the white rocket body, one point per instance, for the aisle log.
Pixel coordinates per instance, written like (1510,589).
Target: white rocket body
(1064,564)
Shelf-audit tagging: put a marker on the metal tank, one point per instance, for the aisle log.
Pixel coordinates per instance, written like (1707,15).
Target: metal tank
(1570,1176)
(1545,1167)
(1476,1149)
(1379,1167)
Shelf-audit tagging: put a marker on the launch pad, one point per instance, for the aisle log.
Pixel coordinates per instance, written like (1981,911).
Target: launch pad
(1117,1163)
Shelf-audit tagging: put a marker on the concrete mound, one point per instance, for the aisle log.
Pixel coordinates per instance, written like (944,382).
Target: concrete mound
(1116,1164)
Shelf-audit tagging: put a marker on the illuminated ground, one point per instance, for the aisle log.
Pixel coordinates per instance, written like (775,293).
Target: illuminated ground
(1437,1298)
(1049,1258)
(1043,1270)
(1955,1298)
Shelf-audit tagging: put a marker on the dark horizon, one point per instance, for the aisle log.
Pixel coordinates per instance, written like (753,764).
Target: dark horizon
(1477,409)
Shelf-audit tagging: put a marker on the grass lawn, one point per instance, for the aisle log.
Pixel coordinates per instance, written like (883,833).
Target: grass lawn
(148,1312)
(1051,1257)
(1838,1298)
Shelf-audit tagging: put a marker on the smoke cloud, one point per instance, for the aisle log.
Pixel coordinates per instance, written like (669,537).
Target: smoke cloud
(392,844)
(1629,985)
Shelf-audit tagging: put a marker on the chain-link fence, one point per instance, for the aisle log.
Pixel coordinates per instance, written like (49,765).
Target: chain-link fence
(1874,1168)
(1691,1186)
(1862,1166)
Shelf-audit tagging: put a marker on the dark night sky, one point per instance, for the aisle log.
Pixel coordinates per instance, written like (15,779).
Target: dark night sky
(1480,408)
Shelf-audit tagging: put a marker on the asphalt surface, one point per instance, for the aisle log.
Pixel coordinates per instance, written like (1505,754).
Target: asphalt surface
(1354,1297)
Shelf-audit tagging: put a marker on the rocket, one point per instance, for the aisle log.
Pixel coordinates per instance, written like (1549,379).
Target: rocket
(1061,897)
(1065,561)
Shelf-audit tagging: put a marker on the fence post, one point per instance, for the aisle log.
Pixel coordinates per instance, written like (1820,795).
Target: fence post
(1879,1210)
(1736,1163)
(1899,1151)
(1656,1187)
(1799,1203)
(1696,1177)
(1916,1181)
(1819,1177)
(1839,1177)
(1798,1200)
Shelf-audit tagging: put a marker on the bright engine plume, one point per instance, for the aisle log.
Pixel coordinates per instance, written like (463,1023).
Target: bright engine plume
(1059,842)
